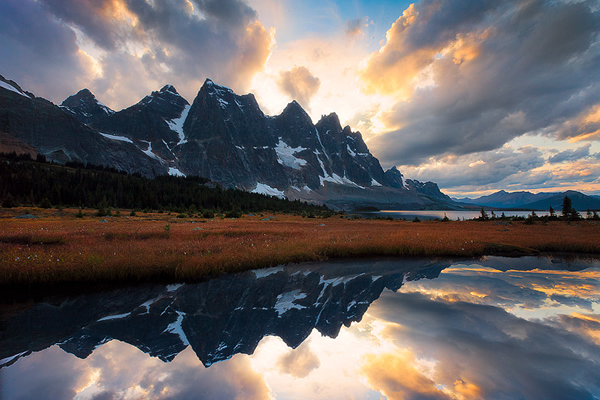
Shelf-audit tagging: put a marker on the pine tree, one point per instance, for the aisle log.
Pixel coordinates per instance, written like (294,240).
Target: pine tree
(567,207)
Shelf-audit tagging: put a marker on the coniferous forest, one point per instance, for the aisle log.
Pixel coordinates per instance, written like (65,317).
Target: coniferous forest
(25,181)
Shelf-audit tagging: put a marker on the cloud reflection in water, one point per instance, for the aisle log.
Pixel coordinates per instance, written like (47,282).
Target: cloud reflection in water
(474,332)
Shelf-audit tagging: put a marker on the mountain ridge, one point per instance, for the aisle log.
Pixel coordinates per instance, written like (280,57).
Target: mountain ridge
(534,201)
(226,138)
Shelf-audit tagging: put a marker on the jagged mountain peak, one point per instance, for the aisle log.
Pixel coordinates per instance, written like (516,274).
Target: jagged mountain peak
(394,178)
(211,87)
(170,89)
(85,107)
(84,93)
(167,93)
(295,110)
(329,122)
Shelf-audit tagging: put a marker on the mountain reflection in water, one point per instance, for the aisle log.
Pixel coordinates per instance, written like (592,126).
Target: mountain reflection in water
(494,329)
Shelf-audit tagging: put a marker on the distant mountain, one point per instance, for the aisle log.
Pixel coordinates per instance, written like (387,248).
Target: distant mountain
(537,201)
(503,199)
(85,107)
(580,201)
(221,136)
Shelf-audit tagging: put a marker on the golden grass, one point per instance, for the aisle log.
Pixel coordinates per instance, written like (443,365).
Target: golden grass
(58,248)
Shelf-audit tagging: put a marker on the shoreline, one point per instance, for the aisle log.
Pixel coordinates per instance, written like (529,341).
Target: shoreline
(56,250)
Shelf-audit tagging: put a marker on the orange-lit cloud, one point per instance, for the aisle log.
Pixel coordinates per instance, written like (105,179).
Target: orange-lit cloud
(395,376)
(393,68)
(136,46)
(300,84)
(586,126)
(299,362)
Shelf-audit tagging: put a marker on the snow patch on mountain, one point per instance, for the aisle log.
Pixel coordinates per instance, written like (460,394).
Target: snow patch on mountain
(261,188)
(375,183)
(286,301)
(6,86)
(224,104)
(262,273)
(353,154)
(149,152)
(114,137)
(119,316)
(176,124)
(176,172)
(106,109)
(177,329)
(285,155)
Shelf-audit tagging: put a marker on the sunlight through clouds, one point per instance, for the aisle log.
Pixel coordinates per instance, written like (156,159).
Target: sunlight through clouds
(432,85)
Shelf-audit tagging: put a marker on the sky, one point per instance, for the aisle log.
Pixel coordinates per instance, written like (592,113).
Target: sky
(477,96)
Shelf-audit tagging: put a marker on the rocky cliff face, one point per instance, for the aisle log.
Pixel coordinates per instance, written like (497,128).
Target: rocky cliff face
(218,318)
(153,124)
(62,138)
(222,136)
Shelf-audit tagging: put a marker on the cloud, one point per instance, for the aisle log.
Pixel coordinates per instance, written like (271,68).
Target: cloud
(397,378)
(118,371)
(470,76)
(485,351)
(300,84)
(571,155)
(126,48)
(299,362)
(354,27)
(477,169)
(38,51)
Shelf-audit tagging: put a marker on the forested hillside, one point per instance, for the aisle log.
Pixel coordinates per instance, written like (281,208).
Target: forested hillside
(24,181)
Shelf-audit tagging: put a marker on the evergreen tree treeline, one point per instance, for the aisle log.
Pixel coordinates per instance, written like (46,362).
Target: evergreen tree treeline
(29,182)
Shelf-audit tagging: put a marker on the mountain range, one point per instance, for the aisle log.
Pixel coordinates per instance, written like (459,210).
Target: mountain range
(535,201)
(217,318)
(221,136)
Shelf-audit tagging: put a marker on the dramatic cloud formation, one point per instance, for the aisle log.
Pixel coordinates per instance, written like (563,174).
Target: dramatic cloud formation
(120,371)
(479,351)
(396,376)
(299,362)
(571,155)
(123,49)
(482,168)
(471,76)
(442,89)
(299,84)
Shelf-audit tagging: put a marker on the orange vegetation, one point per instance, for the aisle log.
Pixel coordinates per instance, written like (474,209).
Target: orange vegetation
(59,248)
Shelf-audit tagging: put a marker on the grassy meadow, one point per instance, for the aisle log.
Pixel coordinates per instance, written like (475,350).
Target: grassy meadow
(57,248)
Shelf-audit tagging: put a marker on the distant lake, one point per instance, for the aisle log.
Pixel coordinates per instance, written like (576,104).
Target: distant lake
(453,215)
(496,328)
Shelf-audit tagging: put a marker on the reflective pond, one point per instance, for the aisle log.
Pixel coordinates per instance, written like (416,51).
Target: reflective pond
(496,328)
(451,214)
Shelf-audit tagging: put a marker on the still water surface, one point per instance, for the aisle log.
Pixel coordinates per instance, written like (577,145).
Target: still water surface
(495,328)
(453,215)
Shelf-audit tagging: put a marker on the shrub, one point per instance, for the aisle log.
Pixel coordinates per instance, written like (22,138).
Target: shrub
(45,203)
(9,202)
